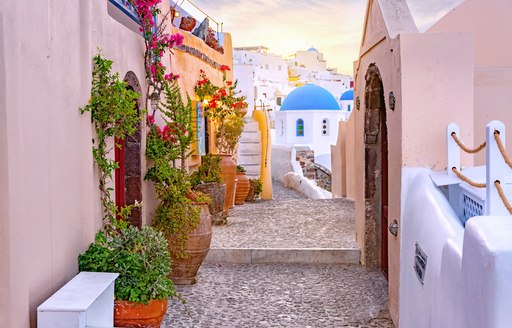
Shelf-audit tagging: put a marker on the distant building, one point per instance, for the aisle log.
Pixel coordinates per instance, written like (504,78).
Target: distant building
(347,103)
(310,67)
(309,116)
(262,77)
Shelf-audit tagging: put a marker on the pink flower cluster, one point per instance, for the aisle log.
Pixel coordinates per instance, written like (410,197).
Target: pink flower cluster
(156,44)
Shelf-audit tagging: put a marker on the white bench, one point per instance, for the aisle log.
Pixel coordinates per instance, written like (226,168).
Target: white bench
(87,300)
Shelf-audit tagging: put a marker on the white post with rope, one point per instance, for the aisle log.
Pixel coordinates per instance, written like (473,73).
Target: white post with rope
(496,170)
(452,148)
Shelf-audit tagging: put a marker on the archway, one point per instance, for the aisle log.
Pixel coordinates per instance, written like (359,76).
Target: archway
(129,175)
(376,172)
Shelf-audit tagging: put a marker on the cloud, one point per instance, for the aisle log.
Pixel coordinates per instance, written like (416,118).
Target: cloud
(334,27)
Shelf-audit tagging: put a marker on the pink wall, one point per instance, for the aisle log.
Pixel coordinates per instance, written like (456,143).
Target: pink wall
(489,21)
(436,90)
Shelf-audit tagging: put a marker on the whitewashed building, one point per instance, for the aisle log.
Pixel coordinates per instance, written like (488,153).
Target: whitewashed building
(309,116)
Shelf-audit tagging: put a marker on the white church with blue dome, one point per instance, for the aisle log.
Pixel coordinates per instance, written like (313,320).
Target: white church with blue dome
(309,116)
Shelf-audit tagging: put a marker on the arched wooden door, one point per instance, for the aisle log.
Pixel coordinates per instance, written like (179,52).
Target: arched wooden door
(376,172)
(128,176)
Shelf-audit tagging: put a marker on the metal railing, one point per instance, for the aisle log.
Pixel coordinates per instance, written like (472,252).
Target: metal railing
(497,172)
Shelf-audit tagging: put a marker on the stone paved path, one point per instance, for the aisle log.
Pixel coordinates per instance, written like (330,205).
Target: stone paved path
(231,295)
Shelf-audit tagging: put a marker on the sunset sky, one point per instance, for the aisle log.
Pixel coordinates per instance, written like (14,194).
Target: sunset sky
(334,27)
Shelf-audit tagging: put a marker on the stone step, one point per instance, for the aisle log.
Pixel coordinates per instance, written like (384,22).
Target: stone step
(252,170)
(284,255)
(251,125)
(250,137)
(249,148)
(249,159)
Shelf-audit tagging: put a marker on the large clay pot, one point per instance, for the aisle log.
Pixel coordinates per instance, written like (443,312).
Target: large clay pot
(217,192)
(242,188)
(187,23)
(228,172)
(184,270)
(136,315)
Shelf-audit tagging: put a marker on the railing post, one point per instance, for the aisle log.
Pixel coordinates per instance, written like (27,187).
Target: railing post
(495,170)
(453,150)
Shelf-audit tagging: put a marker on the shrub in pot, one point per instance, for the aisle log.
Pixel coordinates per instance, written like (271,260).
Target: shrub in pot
(177,216)
(256,187)
(207,179)
(142,259)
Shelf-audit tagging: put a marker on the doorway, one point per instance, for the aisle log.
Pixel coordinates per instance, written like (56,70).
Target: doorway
(375,252)
(128,176)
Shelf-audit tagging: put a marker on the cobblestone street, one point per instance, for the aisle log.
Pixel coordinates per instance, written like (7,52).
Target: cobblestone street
(298,295)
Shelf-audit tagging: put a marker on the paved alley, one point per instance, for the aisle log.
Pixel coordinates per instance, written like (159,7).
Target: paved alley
(297,288)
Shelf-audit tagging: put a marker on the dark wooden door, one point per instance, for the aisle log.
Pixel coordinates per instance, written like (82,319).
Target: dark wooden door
(120,174)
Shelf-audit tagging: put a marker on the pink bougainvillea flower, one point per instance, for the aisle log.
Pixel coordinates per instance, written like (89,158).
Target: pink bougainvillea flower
(225,68)
(151,119)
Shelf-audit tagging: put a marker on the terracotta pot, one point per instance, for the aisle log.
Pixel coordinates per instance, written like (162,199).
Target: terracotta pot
(228,172)
(137,315)
(187,23)
(217,191)
(251,194)
(242,188)
(184,270)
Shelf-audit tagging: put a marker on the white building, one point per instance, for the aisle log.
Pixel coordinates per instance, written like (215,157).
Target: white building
(310,67)
(262,76)
(347,103)
(309,116)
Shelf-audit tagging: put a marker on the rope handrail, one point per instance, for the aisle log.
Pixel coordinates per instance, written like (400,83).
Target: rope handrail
(502,196)
(467,180)
(502,149)
(466,149)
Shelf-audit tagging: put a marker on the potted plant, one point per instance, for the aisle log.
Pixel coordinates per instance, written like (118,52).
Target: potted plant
(183,219)
(256,187)
(224,108)
(242,185)
(141,258)
(207,179)
(142,287)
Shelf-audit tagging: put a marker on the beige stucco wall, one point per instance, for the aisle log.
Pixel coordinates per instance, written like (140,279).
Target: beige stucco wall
(49,203)
(388,62)
(188,66)
(489,21)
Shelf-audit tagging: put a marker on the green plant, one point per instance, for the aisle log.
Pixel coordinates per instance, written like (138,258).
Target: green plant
(176,215)
(113,114)
(240,169)
(233,126)
(223,106)
(258,186)
(141,258)
(208,171)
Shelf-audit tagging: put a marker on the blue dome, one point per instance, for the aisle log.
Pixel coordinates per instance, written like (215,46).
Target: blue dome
(310,97)
(348,95)
(312,49)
